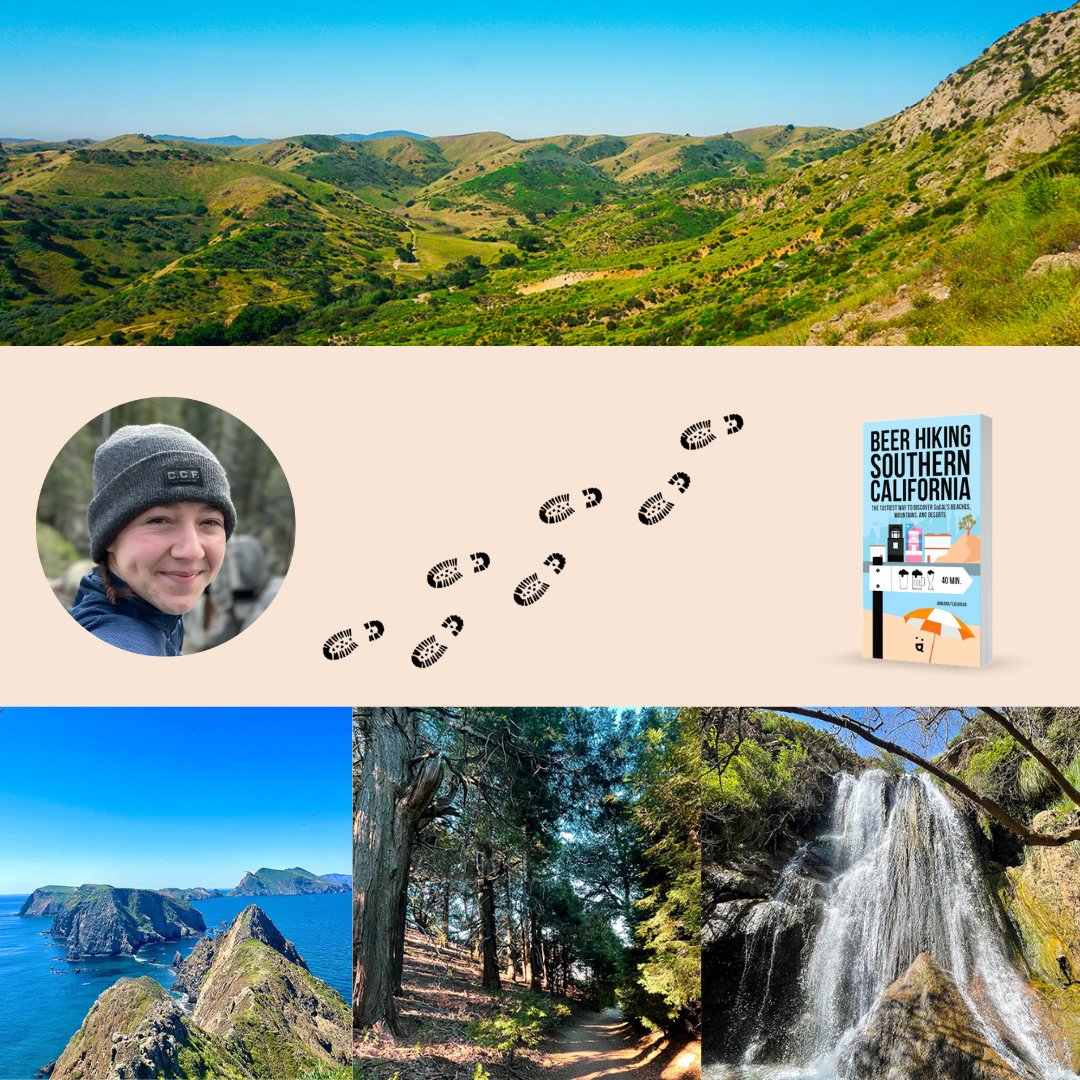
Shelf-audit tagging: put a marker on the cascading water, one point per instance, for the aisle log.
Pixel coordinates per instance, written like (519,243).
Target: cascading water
(766,934)
(904,881)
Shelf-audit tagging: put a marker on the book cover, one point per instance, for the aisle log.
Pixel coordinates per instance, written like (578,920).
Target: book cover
(926,540)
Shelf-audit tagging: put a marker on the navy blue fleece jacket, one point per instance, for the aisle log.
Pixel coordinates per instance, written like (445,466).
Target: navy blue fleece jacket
(132,624)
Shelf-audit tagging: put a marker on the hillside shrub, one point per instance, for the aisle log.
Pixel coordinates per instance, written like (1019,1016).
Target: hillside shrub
(254,323)
(519,1021)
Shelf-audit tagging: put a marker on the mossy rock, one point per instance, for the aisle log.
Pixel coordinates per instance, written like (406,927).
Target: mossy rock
(56,553)
(1042,899)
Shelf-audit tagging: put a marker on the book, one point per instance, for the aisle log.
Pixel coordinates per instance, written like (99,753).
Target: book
(927,540)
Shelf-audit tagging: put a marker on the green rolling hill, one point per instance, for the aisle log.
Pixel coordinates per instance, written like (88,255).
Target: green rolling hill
(955,221)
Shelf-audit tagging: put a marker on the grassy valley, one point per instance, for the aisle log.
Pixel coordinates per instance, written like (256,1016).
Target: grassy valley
(955,222)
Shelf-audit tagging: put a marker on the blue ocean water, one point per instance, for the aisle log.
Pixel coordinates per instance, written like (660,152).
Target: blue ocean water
(45,998)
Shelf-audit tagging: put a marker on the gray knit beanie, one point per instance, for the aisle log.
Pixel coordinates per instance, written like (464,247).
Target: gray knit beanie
(141,466)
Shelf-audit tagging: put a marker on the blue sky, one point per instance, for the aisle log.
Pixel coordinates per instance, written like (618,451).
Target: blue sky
(274,69)
(153,798)
(906,737)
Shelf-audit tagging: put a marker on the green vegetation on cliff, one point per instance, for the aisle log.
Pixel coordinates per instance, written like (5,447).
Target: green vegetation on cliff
(135,1028)
(765,777)
(47,900)
(198,893)
(258,1013)
(265,882)
(102,920)
(996,766)
(251,988)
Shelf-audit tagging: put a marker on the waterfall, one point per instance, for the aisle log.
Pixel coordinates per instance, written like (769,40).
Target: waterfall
(765,936)
(904,880)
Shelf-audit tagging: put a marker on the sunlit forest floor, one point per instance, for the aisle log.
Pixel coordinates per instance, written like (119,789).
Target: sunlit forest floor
(442,995)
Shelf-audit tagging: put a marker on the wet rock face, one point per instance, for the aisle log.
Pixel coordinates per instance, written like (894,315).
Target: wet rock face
(847,931)
(99,920)
(924,1030)
(1042,898)
(754,948)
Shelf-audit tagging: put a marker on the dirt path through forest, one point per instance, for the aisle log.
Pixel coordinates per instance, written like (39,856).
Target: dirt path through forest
(604,1044)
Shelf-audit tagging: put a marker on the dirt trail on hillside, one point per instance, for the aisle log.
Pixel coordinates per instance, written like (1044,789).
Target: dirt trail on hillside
(575,277)
(604,1044)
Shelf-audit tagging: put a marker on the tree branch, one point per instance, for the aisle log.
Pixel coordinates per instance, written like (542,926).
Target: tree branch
(1019,735)
(1032,839)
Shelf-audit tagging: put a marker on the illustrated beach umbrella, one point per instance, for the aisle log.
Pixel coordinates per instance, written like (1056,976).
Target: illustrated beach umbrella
(939,623)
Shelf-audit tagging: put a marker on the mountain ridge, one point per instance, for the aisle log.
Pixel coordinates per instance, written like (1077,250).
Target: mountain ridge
(252,989)
(218,140)
(290,882)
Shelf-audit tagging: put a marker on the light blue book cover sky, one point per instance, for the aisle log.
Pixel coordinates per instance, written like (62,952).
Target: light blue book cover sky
(931,507)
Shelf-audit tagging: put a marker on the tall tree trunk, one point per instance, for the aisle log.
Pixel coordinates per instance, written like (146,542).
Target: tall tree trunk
(485,902)
(526,952)
(536,957)
(421,906)
(399,942)
(512,954)
(545,964)
(446,911)
(536,952)
(393,784)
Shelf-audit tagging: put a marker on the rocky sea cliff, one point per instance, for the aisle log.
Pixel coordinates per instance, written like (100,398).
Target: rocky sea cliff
(101,920)
(256,1011)
(292,882)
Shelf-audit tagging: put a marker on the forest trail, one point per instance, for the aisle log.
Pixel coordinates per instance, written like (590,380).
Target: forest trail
(604,1044)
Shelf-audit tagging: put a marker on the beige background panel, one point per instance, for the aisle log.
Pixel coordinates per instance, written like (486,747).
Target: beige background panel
(749,590)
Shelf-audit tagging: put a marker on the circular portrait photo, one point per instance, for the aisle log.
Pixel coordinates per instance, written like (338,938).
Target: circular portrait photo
(165,526)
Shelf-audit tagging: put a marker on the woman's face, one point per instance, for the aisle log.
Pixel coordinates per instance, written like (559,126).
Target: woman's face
(169,554)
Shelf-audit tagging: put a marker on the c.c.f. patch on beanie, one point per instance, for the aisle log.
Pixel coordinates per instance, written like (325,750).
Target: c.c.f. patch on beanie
(147,465)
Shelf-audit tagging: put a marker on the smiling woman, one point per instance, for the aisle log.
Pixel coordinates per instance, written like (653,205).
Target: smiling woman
(171,553)
(159,520)
(160,527)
